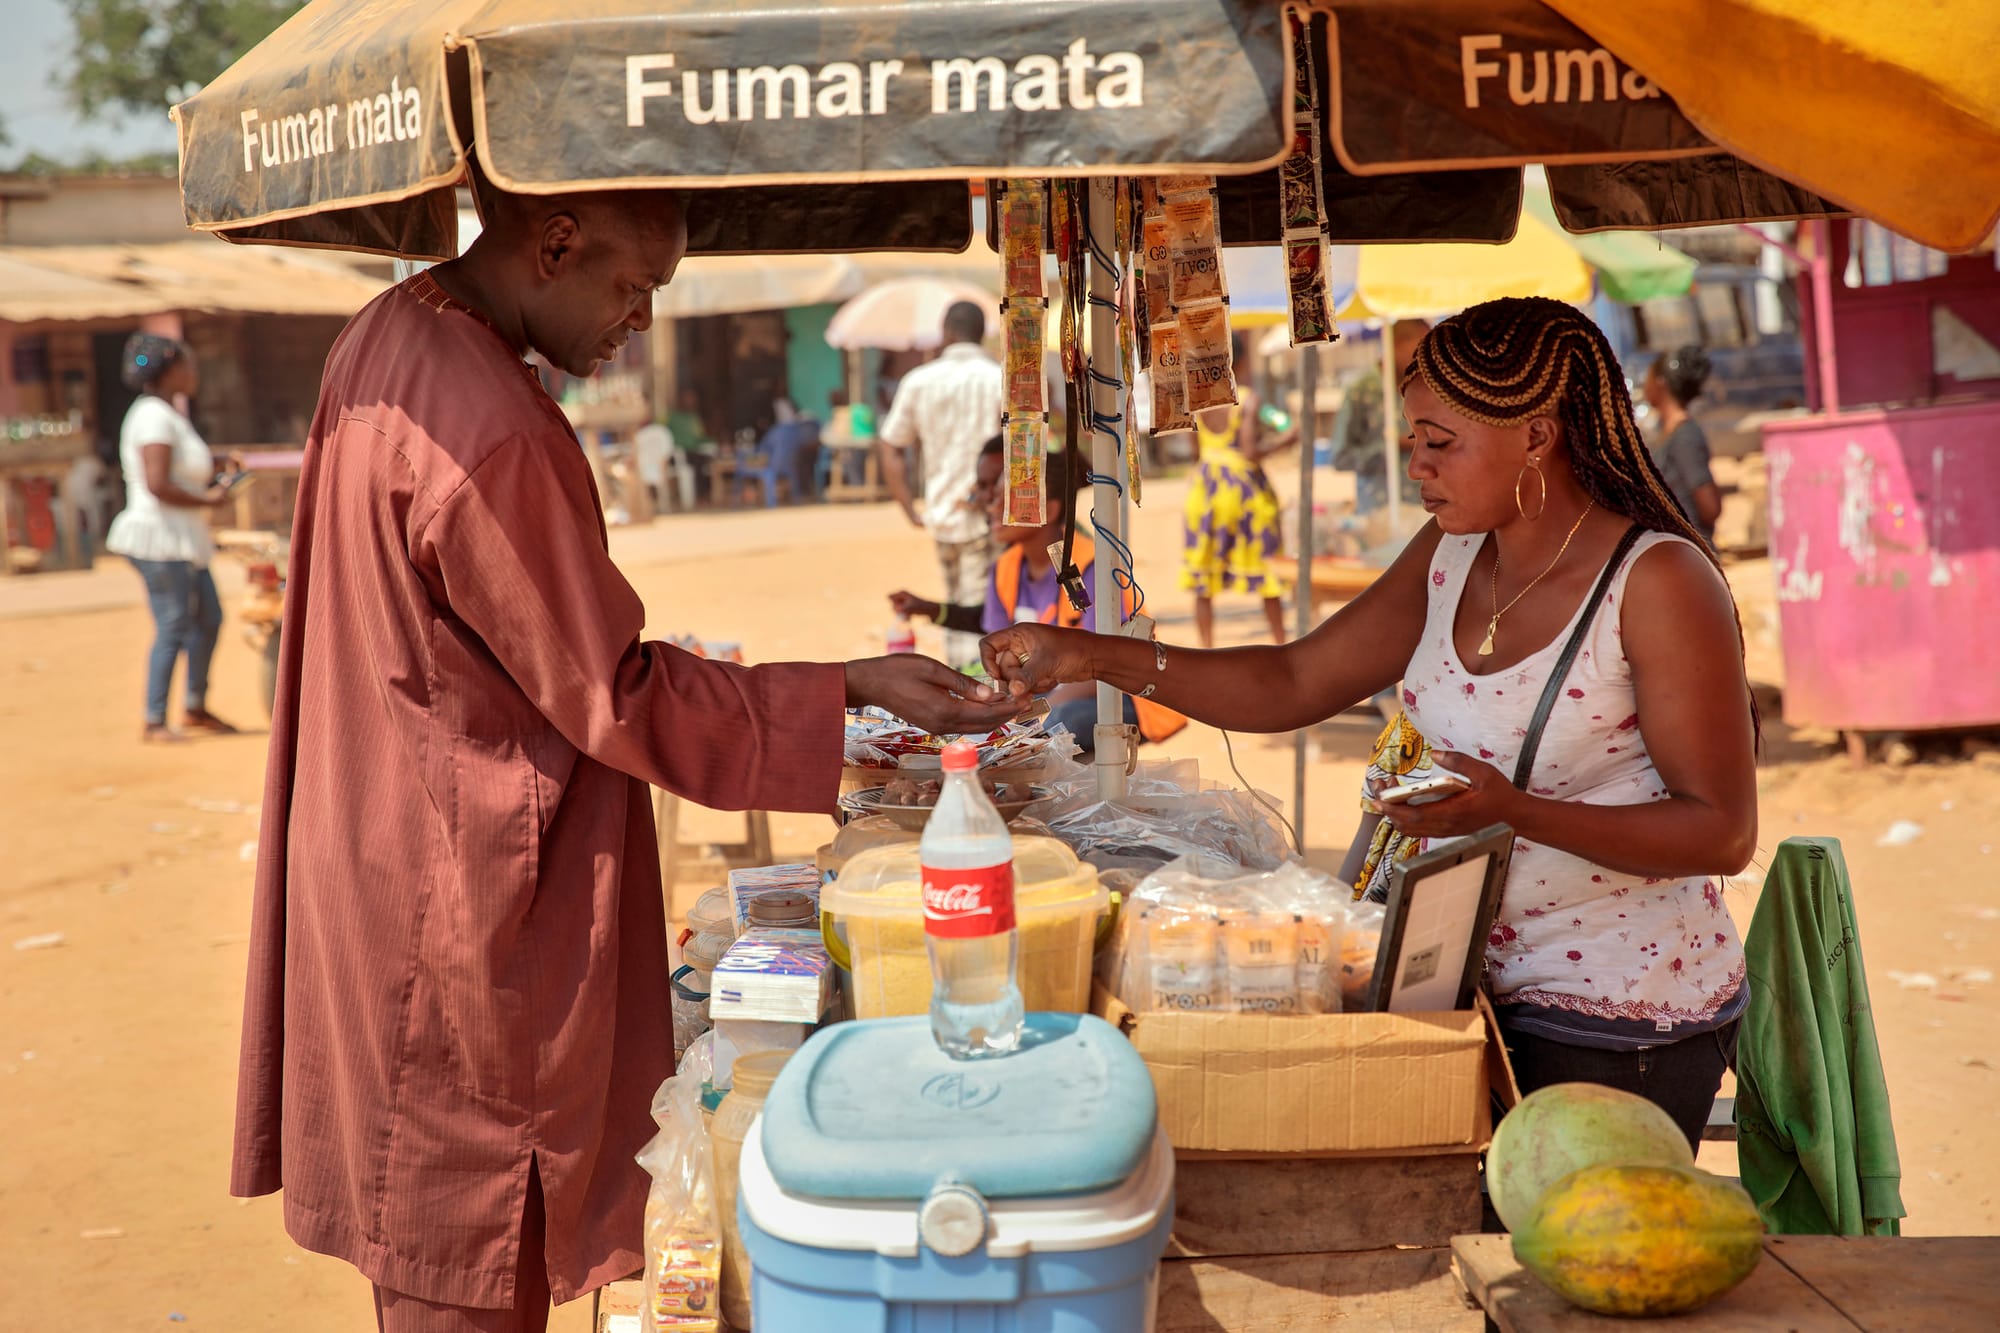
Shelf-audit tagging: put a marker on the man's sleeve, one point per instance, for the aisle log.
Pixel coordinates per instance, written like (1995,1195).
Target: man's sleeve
(899,428)
(520,551)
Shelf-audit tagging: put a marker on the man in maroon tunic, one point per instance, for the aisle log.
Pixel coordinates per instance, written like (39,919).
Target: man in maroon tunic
(458,1005)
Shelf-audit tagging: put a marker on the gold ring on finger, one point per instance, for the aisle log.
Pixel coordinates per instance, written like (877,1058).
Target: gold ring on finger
(1023,656)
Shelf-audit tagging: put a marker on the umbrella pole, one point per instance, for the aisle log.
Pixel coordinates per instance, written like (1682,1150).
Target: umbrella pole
(1107,457)
(1392,448)
(1309,442)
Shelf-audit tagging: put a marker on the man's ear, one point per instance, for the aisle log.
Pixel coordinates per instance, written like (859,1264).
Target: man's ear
(558,244)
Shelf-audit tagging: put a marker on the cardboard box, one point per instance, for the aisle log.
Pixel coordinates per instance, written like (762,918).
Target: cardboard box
(1343,1083)
(618,1305)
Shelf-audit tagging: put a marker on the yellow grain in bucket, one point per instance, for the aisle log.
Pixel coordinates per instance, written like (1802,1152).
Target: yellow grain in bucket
(878,903)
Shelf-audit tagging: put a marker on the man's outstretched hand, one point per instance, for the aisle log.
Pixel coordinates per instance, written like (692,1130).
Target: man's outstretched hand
(929,694)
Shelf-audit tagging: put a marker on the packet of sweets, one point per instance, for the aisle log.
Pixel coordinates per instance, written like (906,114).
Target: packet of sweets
(1024,504)
(1180,961)
(1173,186)
(1305,76)
(1195,251)
(1305,276)
(1261,953)
(1169,398)
(1207,366)
(1024,322)
(1021,216)
(1157,265)
(1298,182)
(1318,976)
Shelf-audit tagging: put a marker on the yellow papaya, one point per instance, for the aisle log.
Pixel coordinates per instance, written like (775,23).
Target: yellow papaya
(1566,1127)
(1642,1240)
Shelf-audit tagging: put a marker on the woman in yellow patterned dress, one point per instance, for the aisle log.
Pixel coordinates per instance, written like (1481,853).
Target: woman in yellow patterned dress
(1231,531)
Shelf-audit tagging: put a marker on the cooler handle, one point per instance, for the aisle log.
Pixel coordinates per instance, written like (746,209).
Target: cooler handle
(691,996)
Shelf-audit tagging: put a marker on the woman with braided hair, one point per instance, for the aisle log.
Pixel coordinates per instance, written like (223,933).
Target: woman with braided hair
(1557,569)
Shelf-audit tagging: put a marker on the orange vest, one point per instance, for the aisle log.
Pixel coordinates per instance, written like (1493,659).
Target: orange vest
(1156,721)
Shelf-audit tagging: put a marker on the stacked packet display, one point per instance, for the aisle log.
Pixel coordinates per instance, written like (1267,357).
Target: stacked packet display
(1024,324)
(772,976)
(1302,199)
(1186,294)
(755,881)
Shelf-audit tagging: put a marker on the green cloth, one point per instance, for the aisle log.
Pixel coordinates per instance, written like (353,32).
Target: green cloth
(1815,1146)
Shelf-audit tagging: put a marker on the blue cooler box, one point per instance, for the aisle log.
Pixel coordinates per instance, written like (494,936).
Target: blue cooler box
(887,1188)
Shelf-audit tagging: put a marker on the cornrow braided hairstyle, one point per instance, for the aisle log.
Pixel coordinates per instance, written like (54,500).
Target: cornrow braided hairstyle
(1506,361)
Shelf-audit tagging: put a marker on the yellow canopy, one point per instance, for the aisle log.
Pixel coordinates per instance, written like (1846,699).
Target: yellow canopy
(1893,109)
(1408,281)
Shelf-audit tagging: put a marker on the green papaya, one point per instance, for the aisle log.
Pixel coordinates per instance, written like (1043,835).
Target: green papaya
(1566,1127)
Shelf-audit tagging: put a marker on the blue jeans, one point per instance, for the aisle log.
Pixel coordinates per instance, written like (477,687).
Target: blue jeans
(187,617)
(1080,716)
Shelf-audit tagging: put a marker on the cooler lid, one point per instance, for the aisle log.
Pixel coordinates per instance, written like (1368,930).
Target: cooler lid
(874,1110)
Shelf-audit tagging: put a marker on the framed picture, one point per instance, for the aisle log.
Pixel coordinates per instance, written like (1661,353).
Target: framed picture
(1441,909)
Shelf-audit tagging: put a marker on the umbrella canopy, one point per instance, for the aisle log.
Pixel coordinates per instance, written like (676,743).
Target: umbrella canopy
(348,123)
(1407,281)
(1892,109)
(905,314)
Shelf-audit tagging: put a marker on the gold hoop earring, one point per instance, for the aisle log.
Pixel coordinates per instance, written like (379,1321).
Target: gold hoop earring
(1542,482)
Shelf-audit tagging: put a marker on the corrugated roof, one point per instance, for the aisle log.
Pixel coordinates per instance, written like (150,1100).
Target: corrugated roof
(76,282)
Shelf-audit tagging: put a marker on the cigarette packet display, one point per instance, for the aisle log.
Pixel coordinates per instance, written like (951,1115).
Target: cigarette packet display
(754,881)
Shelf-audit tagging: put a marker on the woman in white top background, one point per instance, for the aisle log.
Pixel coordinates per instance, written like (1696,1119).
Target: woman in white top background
(1614,959)
(170,480)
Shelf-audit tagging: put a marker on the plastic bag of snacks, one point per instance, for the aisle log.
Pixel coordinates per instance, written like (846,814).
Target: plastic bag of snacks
(1203,934)
(683,1229)
(1168,812)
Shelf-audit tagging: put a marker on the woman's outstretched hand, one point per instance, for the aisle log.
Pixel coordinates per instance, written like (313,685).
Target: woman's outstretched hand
(1032,659)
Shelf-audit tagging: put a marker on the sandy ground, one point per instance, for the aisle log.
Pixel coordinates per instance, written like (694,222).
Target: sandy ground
(118,1045)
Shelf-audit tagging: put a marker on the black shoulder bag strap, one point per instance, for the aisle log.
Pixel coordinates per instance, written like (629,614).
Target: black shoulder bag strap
(1525,768)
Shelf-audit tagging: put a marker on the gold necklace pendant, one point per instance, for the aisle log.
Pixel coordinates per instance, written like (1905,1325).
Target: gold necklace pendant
(1493,625)
(1486,644)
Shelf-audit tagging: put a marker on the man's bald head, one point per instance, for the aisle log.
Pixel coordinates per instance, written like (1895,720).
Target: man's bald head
(578,269)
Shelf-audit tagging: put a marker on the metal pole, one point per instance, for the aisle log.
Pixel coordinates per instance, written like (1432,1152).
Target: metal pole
(1822,297)
(1309,444)
(1392,446)
(1107,460)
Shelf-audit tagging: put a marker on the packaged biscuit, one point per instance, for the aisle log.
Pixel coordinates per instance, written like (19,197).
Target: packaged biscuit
(1208,372)
(1194,247)
(1021,221)
(1023,327)
(1024,504)
(1181,961)
(1260,954)
(1318,973)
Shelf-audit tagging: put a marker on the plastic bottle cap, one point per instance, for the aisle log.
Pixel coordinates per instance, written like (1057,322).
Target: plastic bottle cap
(961,757)
(952,1221)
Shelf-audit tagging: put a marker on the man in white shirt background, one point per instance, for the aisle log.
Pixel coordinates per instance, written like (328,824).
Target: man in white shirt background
(947,409)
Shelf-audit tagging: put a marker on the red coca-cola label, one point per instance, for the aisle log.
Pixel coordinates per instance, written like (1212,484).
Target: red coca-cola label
(969,904)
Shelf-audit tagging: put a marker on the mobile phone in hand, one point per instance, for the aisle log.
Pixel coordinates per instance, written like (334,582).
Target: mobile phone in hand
(1439,785)
(235,481)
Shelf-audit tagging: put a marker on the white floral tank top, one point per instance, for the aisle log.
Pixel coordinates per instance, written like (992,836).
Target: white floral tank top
(1605,946)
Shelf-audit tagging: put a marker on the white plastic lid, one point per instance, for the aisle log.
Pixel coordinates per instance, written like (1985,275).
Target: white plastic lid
(1056,1224)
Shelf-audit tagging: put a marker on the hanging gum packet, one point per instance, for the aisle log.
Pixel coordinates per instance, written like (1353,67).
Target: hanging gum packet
(1305,279)
(1023,329)
(1023,505)
(1180,961)
(1156,264)
(1169,399)
(1021,216)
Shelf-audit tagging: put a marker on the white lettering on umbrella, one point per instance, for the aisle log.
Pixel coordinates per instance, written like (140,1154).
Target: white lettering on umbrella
(1581,74)
(638,87)
(279,140)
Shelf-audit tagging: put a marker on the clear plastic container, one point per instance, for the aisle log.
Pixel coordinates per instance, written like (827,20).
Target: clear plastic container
(862,835)
(691,983)
(754,1075)
(784,911)
(711,912)
(877,905)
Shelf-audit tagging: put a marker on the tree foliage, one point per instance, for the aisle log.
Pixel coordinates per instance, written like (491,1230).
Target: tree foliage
(144,55)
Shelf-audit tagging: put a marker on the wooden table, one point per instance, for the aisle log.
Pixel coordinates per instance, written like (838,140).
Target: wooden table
(1806,1284)
(1334,578)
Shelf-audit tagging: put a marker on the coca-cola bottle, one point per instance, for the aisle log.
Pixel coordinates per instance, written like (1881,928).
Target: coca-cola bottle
(902,636)
(968,866)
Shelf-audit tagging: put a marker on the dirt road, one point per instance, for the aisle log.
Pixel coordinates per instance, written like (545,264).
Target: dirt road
(118,1044)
